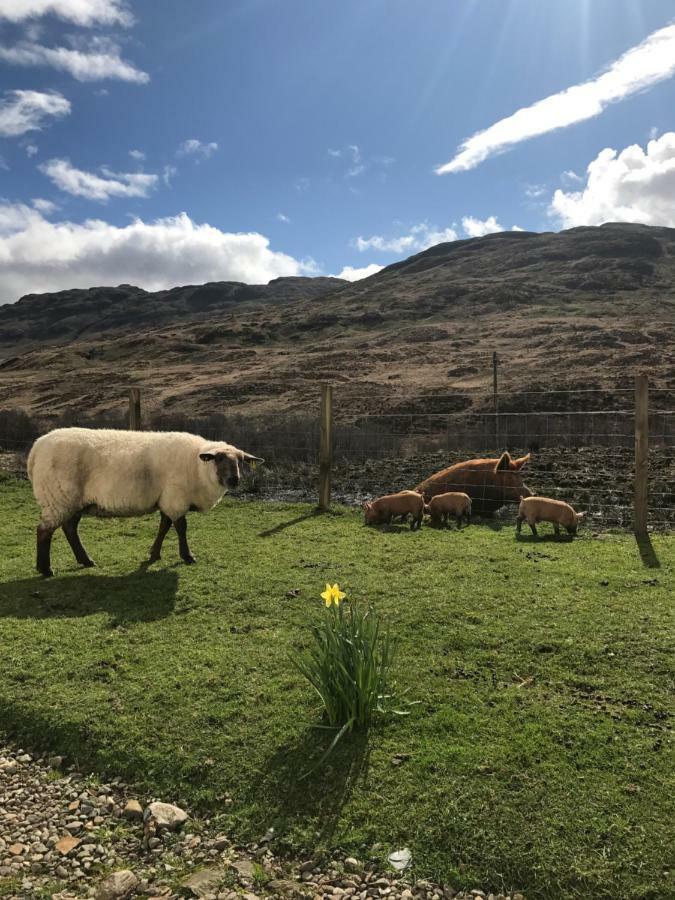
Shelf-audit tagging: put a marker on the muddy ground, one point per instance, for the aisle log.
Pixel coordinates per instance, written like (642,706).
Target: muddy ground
(598,480)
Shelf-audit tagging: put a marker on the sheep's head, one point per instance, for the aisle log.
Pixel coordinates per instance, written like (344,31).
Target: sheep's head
(228,462)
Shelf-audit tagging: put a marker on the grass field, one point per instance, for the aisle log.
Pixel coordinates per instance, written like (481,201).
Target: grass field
(539,756)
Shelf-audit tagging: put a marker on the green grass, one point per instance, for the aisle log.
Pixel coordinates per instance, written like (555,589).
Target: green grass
(539,756)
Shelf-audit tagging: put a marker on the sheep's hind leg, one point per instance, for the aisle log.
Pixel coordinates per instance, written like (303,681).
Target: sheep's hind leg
(44,543)
(70,531)
(181,528)
(156,549)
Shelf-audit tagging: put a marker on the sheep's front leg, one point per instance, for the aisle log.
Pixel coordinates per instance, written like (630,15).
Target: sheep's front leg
(156,549)
(79,552)
(181,528)
(44,543)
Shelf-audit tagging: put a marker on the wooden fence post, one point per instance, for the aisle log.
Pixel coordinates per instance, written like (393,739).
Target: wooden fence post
(326,446)
(135,409)
(495,396)
(641,495)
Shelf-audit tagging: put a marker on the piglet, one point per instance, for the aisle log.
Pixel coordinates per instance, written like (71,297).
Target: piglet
(382,510)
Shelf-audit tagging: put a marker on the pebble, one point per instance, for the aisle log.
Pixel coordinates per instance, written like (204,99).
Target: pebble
(56,834)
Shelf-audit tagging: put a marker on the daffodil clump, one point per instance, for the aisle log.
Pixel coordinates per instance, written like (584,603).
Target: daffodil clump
(348,663)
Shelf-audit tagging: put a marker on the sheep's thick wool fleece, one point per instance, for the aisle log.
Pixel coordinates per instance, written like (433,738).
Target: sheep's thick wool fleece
(122,473)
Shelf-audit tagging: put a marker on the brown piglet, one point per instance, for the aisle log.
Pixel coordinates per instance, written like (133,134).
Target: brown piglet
(452,503)
(382,510)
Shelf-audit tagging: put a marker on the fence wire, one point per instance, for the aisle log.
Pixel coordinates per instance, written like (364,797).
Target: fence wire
(578,453)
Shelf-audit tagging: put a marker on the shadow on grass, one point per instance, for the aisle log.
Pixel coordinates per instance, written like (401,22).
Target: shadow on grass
(320,795)
(647,552)
(492,523)
(545,538)
(312,514)
(139,597)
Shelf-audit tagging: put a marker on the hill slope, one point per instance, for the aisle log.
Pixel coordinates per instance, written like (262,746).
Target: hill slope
(585,307)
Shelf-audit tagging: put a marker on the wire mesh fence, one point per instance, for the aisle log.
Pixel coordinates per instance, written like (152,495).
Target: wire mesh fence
(579,451)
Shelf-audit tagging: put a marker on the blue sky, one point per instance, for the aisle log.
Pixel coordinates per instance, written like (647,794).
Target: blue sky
(304,137)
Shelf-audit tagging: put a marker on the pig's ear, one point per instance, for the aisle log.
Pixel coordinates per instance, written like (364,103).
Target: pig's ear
(519,463)
(504,462)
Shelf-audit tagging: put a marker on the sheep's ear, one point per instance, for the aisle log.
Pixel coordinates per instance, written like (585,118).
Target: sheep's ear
(207,457)
(580,516)
(249,458)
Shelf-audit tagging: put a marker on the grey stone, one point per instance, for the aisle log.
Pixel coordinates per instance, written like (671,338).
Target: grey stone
(117,886)
(133,810)
(204,882)
(165,815)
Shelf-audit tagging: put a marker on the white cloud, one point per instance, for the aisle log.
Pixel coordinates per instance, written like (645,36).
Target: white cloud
(23,111)
(102,61)
(349,273)
(639,68)
(422,236)
(44,206)
(96,187)
(193,147)
(283,218)
(419,237)
(571,177)
(535,190)
(479,227)
(168,173)
(80,12)
(517,228)
(137,155)
(630,186)
(356,165)
(37,255)
(31,150)
(3,164)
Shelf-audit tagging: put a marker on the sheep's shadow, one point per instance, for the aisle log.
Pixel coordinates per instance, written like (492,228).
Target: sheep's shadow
(138,597)
(298,788)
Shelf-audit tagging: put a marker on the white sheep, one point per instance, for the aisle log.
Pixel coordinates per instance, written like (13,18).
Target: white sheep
(104,472)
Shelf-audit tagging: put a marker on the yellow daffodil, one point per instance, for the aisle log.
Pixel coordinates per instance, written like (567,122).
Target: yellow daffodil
(333,595)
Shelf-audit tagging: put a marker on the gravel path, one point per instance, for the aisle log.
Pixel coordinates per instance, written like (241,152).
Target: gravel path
(66,835)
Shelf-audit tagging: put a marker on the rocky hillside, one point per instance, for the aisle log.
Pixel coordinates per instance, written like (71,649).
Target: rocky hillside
(584,308)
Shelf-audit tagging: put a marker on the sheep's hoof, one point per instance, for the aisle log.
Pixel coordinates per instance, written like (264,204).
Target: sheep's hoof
(47,573)
(87,563)
(189,560)
(153,558)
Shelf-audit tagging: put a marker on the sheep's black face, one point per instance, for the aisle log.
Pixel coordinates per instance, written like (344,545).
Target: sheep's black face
(227,467)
